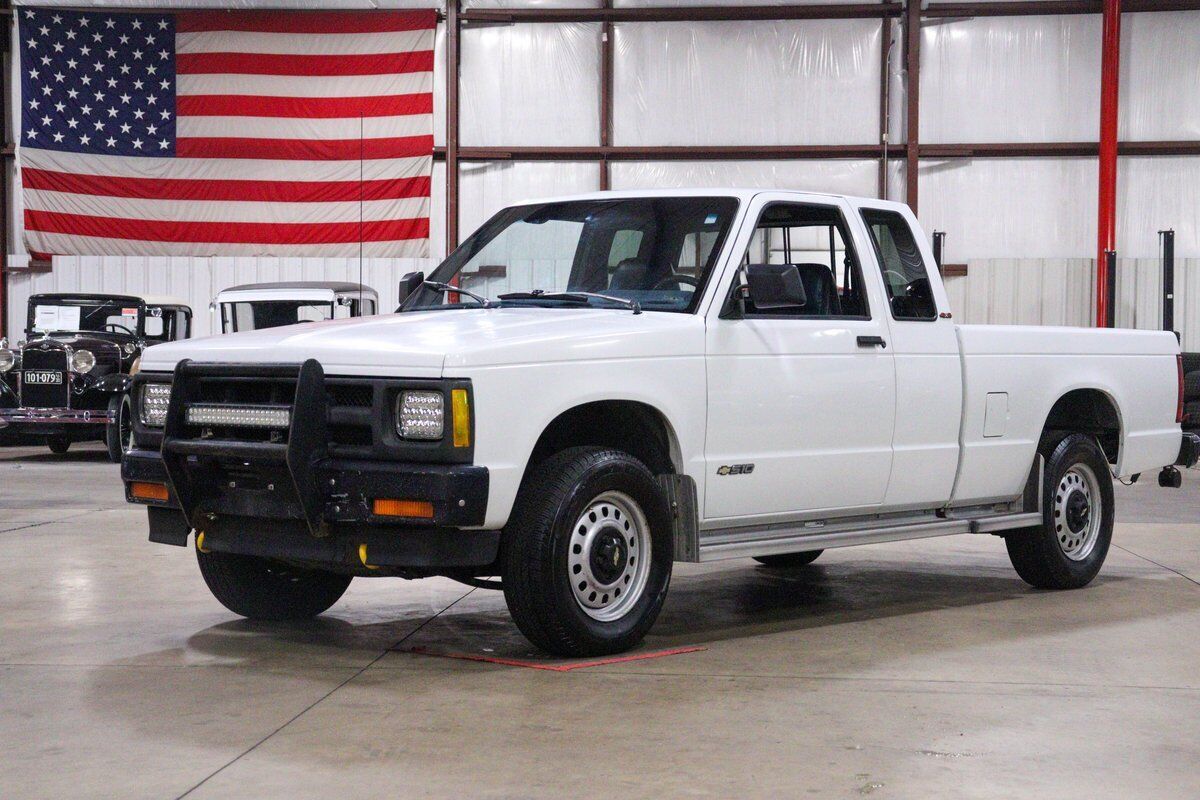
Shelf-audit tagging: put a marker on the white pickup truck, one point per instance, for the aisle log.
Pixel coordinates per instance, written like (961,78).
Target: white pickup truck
(593,387)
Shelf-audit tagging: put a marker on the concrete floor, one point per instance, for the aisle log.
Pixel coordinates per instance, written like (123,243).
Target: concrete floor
(916,670)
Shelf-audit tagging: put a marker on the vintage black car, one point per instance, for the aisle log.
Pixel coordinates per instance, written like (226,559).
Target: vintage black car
(69,380)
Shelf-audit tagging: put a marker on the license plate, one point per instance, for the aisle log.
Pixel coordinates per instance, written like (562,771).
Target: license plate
(44,377)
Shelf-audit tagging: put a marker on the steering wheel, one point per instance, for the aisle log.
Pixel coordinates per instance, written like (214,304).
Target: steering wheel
(677,279)
(121,327)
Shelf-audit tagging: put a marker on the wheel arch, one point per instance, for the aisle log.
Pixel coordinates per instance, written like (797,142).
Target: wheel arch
(1092,410)
(634,426)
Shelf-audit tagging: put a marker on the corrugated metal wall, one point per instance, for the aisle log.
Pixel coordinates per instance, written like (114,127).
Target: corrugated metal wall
(1059,291)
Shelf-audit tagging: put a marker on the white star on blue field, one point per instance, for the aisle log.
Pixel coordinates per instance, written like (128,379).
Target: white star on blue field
(100,83)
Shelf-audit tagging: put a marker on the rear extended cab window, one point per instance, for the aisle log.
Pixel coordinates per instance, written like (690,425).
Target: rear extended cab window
(905,277)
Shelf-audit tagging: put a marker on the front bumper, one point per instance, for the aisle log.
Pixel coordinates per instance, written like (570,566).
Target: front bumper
(292,500)
(55,416)
(256,513)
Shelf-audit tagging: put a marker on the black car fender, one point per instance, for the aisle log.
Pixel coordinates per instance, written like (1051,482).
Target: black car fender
(113,384)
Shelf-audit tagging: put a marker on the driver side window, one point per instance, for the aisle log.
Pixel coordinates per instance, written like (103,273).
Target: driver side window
(904,275)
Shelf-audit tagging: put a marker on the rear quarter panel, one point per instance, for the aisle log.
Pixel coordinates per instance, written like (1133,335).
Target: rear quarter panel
(1036,366)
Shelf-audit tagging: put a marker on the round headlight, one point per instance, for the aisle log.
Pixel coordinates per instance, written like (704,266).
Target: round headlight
(129,348)
(7,359)
(82,361)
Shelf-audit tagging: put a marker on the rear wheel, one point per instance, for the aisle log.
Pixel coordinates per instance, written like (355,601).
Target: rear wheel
(118,434)
(58,444)
(787,560)
(260,588)
(1070,546)
(587,556)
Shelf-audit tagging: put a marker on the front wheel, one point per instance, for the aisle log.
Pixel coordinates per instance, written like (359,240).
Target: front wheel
(259,588)
(118,434)
(58,444)
(1067,550)
(587,557)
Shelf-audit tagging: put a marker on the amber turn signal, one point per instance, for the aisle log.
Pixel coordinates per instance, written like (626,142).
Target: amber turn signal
(460,406)
(391,507)
(149,491)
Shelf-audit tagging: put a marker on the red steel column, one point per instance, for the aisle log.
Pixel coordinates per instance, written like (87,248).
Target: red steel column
(1106,228)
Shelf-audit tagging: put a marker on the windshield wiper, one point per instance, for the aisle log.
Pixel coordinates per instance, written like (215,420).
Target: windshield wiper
(445,288)
(580,297)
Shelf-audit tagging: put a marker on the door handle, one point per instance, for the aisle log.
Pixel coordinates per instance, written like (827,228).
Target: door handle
(871,341)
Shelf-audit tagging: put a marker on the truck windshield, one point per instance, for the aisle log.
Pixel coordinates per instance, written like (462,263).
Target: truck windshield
(73,316)
(657,251)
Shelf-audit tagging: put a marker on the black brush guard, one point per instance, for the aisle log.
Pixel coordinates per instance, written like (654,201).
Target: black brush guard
(292,481)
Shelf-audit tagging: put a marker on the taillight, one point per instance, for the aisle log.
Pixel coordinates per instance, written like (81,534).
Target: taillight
(1179,406)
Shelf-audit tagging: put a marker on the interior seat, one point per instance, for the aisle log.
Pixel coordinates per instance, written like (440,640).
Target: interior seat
(629,274)
(820,290)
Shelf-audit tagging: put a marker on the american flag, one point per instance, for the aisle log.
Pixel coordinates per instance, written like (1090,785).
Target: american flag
(226,133)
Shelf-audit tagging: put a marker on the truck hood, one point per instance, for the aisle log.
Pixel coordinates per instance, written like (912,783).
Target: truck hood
(430,343)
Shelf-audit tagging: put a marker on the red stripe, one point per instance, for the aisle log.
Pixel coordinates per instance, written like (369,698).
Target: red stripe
(280,64)
(277,233)
(306,22)
(304,149)
(233,190)
(224,105)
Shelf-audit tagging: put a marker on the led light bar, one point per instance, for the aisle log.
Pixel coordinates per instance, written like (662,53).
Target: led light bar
(239,416)
(153,410)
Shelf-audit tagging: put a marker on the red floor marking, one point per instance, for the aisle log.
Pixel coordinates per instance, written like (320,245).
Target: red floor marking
(511,662)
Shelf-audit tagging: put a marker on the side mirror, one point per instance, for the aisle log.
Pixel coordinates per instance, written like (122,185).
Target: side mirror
(409,284)
(775,286)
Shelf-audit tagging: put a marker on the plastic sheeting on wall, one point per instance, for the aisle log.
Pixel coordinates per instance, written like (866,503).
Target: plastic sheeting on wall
(487,187)
(1011,79)
(1160,54)
(854,177)
(747,83)
(532,84)
(1011,207)
(1046,207)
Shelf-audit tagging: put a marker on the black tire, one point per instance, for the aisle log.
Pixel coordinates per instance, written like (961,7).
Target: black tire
(1191,362)
(789,560)
(1041,555)
(538,547)
(117,434)
(259,588)
(1191,386)
(58,444)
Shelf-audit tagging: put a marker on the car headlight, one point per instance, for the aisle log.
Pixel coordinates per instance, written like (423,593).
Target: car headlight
(8,360)
(420,415)
(82,361)
(152,409)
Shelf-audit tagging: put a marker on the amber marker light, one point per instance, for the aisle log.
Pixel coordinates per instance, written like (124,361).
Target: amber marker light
(149,491)
(461,408)
(391,507)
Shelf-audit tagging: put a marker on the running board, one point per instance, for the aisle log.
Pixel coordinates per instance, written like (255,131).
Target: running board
(777,540)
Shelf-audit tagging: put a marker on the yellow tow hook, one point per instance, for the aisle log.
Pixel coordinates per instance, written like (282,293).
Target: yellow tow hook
(200,543)
(362,556)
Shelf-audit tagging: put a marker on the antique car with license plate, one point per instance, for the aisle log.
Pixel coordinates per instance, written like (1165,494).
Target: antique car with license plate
(591,388)
(68,380)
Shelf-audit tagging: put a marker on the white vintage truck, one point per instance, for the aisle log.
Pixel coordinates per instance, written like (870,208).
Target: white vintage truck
(593,387)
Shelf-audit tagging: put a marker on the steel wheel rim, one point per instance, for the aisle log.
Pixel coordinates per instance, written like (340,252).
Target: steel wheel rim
(608,556)
(1078,512)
